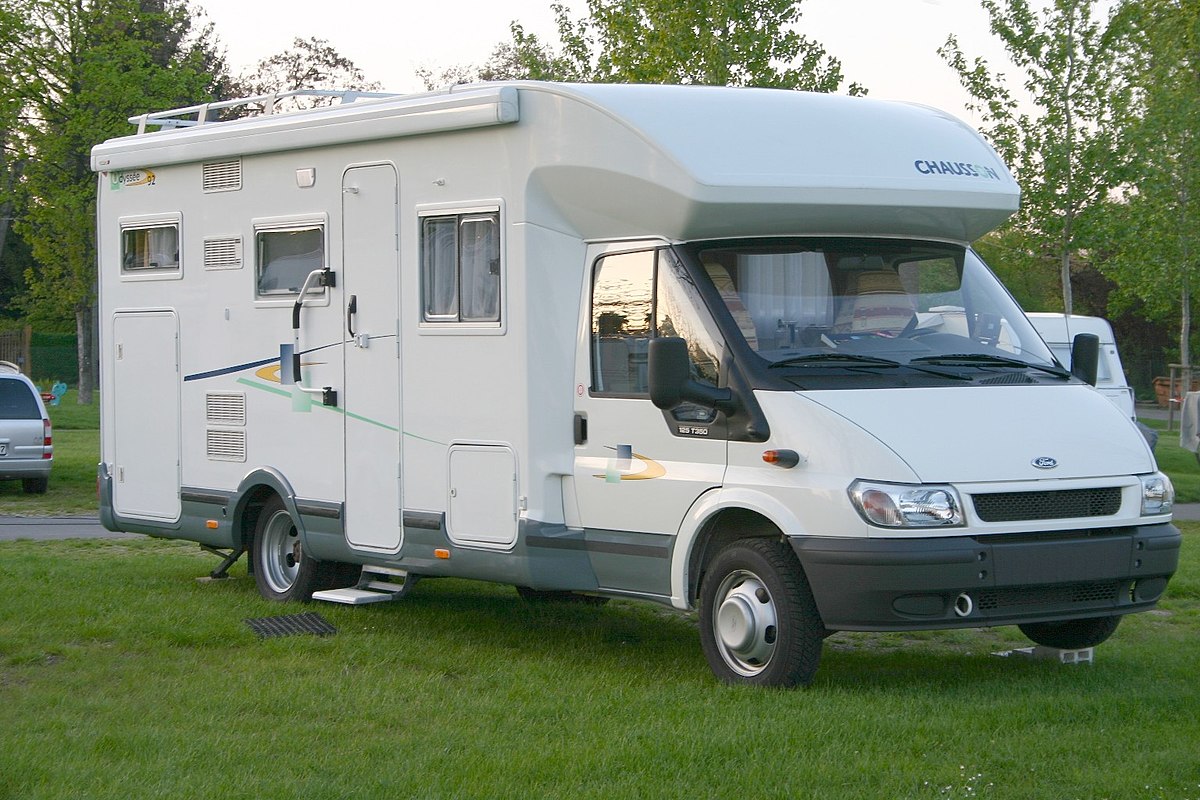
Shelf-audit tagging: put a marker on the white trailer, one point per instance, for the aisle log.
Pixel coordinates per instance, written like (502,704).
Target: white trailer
(725,349)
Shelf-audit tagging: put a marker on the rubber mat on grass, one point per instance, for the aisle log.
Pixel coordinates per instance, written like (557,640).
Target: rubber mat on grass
(291,625)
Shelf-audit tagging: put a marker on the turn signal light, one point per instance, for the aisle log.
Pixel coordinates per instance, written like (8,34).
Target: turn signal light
(782,458)
(442,552)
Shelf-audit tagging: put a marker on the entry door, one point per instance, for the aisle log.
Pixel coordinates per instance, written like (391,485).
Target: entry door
(146,444)
(370,297)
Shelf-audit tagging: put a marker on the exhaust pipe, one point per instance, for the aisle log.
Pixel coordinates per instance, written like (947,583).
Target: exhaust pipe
(964,605)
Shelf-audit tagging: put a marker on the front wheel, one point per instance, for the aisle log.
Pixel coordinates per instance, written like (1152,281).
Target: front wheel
(1072,634)
(759,624)
(281,569)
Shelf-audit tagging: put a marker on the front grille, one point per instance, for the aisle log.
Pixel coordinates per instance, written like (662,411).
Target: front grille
(1070,594)
(1061,504)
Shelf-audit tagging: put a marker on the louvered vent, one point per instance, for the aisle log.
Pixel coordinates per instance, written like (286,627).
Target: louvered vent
(223,176)
(225,408)
(223,253)
(226,445)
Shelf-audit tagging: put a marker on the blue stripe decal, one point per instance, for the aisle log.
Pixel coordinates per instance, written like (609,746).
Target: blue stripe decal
(199,376)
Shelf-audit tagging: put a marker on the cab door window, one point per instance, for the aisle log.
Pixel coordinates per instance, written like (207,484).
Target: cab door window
(636,297)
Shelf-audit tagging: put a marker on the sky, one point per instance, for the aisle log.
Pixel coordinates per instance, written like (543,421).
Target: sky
(889,46)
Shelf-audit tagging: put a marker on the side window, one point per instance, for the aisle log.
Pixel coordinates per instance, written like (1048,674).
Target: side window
(636,297)
(285,256)
(150,248)
(460,267)
(622,322)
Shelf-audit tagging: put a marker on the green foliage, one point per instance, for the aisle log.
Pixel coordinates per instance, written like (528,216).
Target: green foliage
(1071,152)
(1153,231)
(311,64)
(708,42)
(79,69)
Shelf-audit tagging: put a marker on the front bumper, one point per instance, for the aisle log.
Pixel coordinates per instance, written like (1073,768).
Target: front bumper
(913,584)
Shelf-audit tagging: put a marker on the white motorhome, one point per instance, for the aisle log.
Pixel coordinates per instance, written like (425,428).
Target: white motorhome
(725,349)
(1060,330)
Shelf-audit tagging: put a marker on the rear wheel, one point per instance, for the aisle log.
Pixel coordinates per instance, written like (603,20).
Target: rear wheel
(1072,634)
(759,624)
(281,569)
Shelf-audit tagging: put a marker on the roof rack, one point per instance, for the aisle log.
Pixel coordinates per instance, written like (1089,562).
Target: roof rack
(192,116)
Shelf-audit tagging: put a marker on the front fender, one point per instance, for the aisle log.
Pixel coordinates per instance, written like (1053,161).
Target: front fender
(703,509)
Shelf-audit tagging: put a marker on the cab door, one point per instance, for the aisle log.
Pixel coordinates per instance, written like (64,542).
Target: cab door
(638,469)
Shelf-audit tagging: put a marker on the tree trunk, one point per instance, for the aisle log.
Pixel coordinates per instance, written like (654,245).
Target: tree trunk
(83,335)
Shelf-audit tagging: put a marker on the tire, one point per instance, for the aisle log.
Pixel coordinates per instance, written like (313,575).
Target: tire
(1072,634)
(281,570)
(759,624)
(35,485)
(543,596)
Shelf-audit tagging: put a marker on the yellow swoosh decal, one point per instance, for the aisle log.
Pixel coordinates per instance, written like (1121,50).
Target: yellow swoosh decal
(271,371)
(652,470)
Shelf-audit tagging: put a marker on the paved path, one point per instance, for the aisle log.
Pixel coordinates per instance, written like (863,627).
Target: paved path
(43,528)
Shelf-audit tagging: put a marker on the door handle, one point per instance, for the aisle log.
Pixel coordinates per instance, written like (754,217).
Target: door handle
(351,310)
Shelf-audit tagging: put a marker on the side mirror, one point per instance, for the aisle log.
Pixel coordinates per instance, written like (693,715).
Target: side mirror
(669,371)
(1085,357)
(670,379)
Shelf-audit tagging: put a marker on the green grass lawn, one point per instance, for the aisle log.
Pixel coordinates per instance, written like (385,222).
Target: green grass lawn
(123,677)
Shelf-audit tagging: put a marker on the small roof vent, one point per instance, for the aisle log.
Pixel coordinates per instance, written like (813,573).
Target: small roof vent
(223,176)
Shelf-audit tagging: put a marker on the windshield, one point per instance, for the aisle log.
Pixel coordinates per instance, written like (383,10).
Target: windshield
(808,305)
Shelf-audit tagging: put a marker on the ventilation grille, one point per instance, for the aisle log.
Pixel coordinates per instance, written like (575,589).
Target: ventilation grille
(226,445)
(1063,504)
(1071,594)
(225,408)
(223,176)
(1009,379)
(223,253)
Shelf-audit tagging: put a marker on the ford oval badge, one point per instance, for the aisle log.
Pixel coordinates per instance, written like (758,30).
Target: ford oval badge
(1045,462)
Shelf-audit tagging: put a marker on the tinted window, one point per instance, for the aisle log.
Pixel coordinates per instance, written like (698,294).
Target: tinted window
(17,401)
(286,257)
(153,248)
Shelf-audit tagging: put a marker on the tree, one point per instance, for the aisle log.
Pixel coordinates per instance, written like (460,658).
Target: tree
(1154,229)
(1068,155)
(311,64)
(79,69)
(709,42)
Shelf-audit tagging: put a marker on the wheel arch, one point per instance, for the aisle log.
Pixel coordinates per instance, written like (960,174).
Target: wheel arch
(716,518)
(253,493)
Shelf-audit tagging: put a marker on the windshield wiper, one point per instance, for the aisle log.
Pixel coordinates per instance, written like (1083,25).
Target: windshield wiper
(830,359)
(983,359)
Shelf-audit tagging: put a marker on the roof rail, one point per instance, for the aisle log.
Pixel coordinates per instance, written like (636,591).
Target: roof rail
(191,116)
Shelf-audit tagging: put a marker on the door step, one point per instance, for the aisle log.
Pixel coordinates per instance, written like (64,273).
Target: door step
(377,585)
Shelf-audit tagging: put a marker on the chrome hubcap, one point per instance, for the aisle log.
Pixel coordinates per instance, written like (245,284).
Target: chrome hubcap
(745,623)
(280,551)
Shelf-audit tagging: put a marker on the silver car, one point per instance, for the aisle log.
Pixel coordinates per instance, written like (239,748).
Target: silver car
(26,452)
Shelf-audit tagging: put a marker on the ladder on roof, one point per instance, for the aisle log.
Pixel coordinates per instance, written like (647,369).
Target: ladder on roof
(262,105)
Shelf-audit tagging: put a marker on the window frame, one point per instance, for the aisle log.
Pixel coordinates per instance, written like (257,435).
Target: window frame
(455,324)
(148,222)
(283,225)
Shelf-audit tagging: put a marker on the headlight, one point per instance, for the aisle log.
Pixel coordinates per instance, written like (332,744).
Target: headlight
(891,505)
(1158,495)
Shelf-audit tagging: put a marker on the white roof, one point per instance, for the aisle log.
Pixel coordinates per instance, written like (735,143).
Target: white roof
(703,161)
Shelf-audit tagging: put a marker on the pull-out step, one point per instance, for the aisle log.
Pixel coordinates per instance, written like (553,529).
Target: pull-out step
(377,585)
